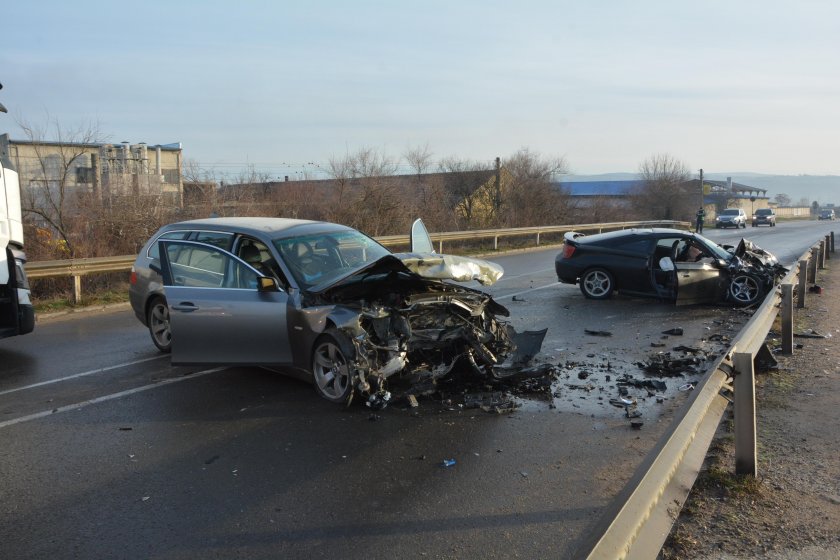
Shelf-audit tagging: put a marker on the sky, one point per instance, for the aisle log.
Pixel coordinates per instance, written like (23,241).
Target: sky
(284,86)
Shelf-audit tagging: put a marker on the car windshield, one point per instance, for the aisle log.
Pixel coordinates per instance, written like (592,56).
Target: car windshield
(718,251)
(729,213)
(320,257)
(763,212)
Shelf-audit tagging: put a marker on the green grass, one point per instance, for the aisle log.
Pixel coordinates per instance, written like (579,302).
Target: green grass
(56,304)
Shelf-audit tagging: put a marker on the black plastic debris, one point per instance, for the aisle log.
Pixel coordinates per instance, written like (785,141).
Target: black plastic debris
(677,331)
(583,374)
(688,349)
(657,344)
(637,424)
(649,384)
(810,334)
(517,298)
(592,332)
(665,365)
(528,345)
(815,289)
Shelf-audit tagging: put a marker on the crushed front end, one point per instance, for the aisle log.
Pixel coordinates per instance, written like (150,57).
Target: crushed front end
(417,328)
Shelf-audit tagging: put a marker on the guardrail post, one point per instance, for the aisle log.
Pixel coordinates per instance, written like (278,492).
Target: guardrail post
(827,247)
(538,238)
(821,263)
(496,243)
(745,441)
(787,319)
(832,241)
(77,289)
(812,265)
(800,290)
(440,246)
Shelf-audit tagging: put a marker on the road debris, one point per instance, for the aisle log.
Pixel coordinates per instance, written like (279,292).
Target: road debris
(448,463)
(677,331)
(592,332)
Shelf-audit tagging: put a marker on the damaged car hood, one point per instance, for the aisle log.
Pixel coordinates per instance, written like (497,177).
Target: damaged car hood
(452,267)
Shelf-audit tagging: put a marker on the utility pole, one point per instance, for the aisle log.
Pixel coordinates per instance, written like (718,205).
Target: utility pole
(702,198)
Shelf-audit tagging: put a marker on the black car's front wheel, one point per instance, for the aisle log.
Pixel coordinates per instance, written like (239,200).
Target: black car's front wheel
(332,361)
(744,289)
(597,283)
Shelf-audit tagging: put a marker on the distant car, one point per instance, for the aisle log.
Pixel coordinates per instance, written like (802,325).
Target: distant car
(319,300)
(764,217)
(826,214)
(731,217)
(669,264)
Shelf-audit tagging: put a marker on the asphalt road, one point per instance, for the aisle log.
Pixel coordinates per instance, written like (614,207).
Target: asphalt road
(110,452)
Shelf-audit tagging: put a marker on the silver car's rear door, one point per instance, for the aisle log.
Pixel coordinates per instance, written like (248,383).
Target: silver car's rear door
(217,313)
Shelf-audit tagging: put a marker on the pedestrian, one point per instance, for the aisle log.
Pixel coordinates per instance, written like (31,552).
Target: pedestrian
(701,215)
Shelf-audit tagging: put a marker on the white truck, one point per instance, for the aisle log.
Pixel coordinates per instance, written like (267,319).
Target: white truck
(17,315)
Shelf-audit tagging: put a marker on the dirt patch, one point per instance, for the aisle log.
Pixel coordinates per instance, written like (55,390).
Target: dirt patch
(792,509)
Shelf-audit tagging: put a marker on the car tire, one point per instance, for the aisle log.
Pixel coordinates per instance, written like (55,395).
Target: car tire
(744,289)
(157,318)
(332,357)
(597,283)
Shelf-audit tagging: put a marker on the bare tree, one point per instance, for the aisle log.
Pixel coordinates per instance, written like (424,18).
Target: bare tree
(419,158)
(531,197)
(782,199)
(52,192)
(663,194)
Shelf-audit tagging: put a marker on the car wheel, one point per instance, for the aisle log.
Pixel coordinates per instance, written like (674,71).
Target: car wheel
(331,366)
(744,289)
(157,318)
(597,283)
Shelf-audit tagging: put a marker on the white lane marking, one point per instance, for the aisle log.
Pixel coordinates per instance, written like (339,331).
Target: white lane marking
(552,285)
(83,374)
(77,406)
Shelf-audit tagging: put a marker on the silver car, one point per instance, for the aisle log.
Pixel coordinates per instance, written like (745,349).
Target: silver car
(320,300)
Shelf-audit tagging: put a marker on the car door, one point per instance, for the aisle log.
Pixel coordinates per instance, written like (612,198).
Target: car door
(697,276)
(218,313)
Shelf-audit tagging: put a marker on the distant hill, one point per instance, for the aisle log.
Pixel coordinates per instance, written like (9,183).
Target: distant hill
(825,189)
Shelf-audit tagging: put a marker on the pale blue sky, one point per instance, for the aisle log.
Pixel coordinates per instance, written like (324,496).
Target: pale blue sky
(723,85)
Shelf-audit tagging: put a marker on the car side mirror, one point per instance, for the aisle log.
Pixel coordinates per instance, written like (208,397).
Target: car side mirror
(267,284)
(721,263)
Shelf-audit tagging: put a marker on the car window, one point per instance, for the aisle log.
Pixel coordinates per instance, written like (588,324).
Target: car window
(730,212)
(641,246)
(153,250)
(207,267)
(220,239)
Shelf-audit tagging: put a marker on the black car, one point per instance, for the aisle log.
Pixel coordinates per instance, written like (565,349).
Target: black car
(765,217)
(668,264)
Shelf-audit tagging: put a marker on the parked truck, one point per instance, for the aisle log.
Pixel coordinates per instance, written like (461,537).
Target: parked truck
(17,315)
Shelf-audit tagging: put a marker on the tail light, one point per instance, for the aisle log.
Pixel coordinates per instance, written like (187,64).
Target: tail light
(568,250)
(132,279)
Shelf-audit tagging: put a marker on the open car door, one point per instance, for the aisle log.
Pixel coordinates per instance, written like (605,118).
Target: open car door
(697,273)
(221,311)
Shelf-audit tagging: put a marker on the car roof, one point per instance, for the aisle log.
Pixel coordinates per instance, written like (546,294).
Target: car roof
(272,227)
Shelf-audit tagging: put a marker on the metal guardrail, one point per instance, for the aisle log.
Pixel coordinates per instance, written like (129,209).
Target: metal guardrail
(76,268)
(637,522)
